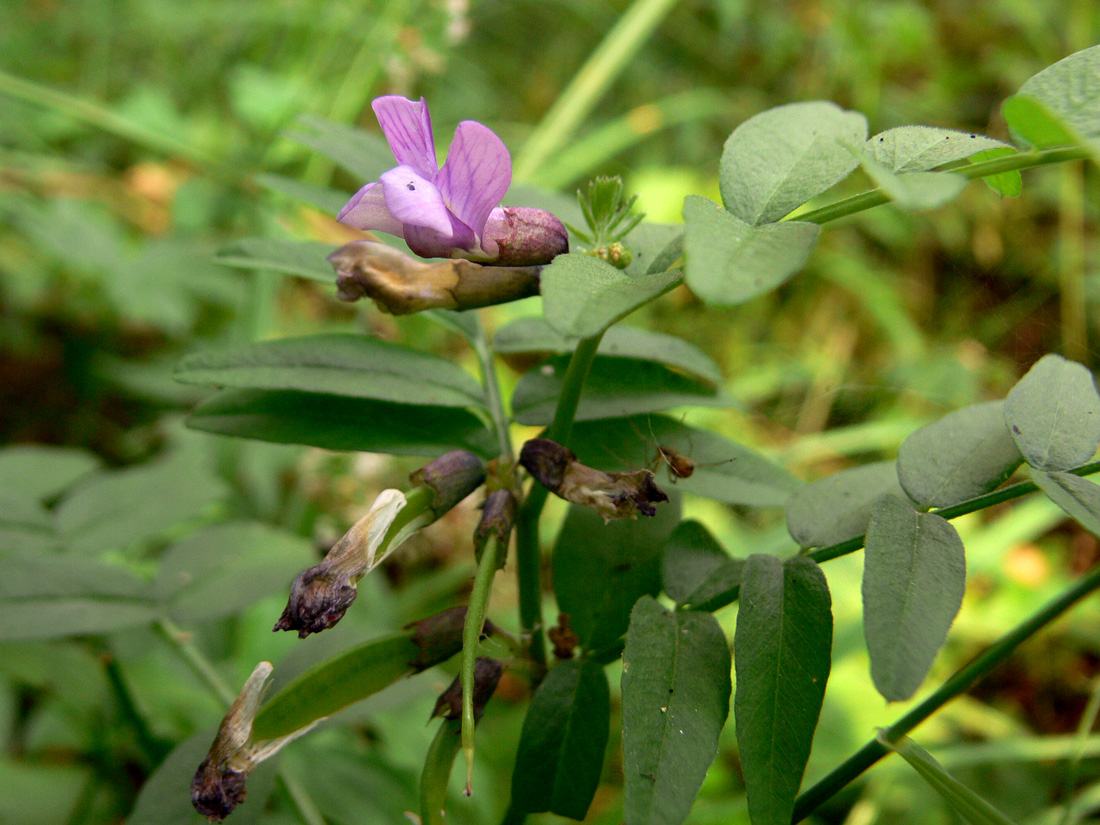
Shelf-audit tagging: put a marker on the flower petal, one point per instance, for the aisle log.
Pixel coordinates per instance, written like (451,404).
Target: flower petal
(476,175)
(427,243)
(408,129)
(414,200)
(367,210)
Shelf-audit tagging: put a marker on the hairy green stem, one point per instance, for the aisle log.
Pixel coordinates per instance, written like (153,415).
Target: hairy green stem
(876,197)
(590,83)
(484,354)
(528,552)
(962,681)
(487,567)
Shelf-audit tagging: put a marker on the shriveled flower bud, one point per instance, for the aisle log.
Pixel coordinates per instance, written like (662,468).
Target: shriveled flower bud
(612,495)
(322,594)
(219,783)
(452,477)
(439,637)
(487,673)
(526,236)
(497,517)
(399,284)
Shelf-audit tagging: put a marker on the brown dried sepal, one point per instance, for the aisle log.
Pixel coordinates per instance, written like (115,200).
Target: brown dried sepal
(612,495)
(217,789)
(400,284)
(498,514)
(487,673)
(563,638)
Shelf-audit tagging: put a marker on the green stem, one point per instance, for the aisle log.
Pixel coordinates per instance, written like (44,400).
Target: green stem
(590,84)
(487,566)
(528,552)
(484,354)
(962,681)
(1011,163)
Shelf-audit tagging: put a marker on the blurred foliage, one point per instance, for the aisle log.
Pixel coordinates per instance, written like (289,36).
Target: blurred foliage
(131,135)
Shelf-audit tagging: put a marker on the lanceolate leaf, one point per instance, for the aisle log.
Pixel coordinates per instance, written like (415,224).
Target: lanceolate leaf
(306,259)
(335,684)
(1053,412)
(615,387)
(40,472)
(920,148)
(340,423)
(783,643)
(730,261)
(838,508)
(562,745)
(676,688)
(779,159)
(600,570)
(1071,90)
(914,576)
(365,155)
(691,554)
(1078,497)
(354,366)
(724,470)
(965,454)
(436,774)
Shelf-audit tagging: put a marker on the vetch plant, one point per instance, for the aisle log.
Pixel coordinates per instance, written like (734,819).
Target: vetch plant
(622,543)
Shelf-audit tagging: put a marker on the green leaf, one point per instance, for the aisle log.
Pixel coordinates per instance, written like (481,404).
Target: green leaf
(562,745)
(365,155)
(537,337)
(783,642)
(324,198)
(920,148)
(600,570)
(1070,89)
(915,190)
(337,423)
(838,508)
(965,454)
(730,262)
(334,684)
(724,470)
(582,295)
(464,323)
(1053,412)
(777,160)
(696,571)
(436,775)
(123,508)
(306,259)
(676,689)
(40,472)
(51,596)
(914,575)
(219,570)
(967,804)
(1006,184)
(614,387)
(25,525)
(1035,124)
(352,366)
(1078,497)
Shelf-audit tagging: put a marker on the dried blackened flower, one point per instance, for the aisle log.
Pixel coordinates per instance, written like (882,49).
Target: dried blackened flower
(452,477)
(219,783)
(400,284)
(322,594)
(487,673)
(439,637)
(612,495)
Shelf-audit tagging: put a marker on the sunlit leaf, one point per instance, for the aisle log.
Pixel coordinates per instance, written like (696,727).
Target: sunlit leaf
(920,148)
(676,689)
(838,508)
(965,454)
(1053,413)
(1078,497)
(915,190)
(730,262)
(562,745)
(783,643)
(600,570)
(1035,124)
(914,576)
(337,423)
(1070,89)
(779,159)
(353,366)
(1007,184)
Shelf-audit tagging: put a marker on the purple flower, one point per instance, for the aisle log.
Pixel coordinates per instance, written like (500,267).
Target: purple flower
(451,212)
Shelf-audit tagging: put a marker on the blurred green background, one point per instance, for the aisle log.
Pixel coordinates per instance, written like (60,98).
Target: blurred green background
(139,136)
